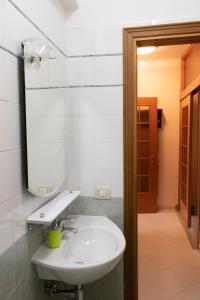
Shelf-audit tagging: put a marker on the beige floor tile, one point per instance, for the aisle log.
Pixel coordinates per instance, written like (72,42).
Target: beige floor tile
(176,278)
(190,293)
(150,291)
(167,263)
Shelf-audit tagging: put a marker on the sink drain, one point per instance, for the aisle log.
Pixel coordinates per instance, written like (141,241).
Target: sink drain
(80,262)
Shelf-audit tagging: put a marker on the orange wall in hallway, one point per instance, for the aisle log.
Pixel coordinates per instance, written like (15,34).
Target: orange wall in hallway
(161,78)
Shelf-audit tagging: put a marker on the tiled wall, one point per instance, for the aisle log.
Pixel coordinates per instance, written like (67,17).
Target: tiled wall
(15,203)
(93,112)
(96,145)
(94,68)
(49,16)
(133,12)
(85,115)
(94,92)
(16,247)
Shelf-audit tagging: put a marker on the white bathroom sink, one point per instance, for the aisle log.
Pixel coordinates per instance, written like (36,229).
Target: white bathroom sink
(84,256)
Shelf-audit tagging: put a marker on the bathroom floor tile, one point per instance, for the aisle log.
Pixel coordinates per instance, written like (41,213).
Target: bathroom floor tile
(169,269)
(190,293)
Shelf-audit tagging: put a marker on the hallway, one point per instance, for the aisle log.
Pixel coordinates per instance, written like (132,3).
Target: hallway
(169,269)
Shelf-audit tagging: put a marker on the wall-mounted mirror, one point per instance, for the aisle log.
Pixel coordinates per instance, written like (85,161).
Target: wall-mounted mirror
(45,118)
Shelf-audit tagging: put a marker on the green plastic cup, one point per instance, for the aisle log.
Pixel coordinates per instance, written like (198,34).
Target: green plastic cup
(54,238)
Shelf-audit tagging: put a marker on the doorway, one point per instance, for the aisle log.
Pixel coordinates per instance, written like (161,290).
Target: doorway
(164,250)
(184,33)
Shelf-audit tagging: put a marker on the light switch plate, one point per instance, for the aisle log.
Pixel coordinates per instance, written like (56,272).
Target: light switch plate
(103,193)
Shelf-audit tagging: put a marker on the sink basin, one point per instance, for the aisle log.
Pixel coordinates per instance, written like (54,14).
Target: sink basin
(84,256)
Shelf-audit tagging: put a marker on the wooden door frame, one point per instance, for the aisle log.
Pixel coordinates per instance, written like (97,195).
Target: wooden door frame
(159,35)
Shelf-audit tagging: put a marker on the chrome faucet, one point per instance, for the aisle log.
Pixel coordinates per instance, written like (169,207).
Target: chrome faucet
(60,222)
(73,229)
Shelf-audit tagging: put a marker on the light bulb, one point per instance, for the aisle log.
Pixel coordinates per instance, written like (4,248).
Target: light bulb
(145,50)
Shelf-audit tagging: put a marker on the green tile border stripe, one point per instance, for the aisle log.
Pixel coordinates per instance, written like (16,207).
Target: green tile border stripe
(94,55)
(36,26)
(73,87)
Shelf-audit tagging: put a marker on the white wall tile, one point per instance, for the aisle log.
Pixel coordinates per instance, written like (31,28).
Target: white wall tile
(14,168)
(110,178)
(38,202)
(132,12)
(57,35)
(10,175)
(14,78)
(72,131)
(108,156)
(53,178)
(10,204)
(79,40)
(108,128)
(40,78)
(46,102)
(80,71)
(6,231)
(108,39)
(79,101)
(83,181)
(48,128)
(4,176)
(108,70)
(4,125)
(3,75)
(10,126)
(108,100)
(82,156)
(2,19)
(20,214)
(14,126)
(83,129)
(57,72)
(48,155)
(70,101)
(17,28)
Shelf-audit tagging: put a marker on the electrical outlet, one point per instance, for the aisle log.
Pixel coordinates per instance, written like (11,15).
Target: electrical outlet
(103,193)
(44,189)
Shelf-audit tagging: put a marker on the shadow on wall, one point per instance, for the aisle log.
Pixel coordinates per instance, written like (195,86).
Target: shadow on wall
(21,84)
(164,122)
(66,8)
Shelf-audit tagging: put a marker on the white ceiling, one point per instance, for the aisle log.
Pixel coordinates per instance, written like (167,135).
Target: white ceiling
(165,52)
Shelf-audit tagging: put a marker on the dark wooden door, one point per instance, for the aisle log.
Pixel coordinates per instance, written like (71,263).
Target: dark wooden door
(194,170)
(184,162)
(147,165)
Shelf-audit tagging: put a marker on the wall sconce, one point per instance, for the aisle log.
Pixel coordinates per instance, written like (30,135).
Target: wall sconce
(35,52)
